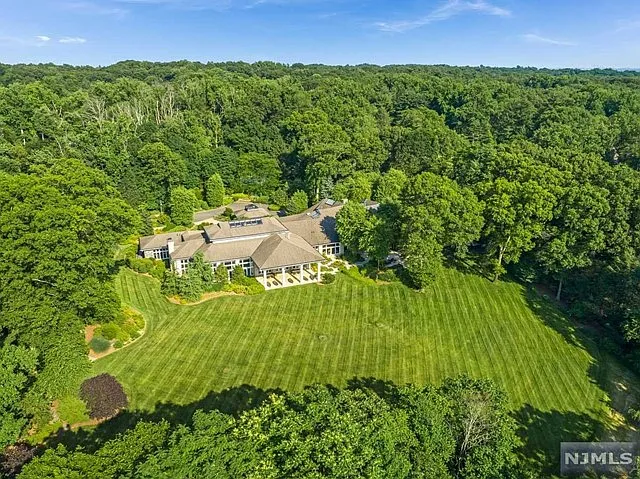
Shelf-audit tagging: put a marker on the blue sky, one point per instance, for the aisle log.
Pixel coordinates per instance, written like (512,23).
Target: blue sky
(552,33)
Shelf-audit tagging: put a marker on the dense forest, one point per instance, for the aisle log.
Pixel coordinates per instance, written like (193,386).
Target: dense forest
(320,432)
(531,173)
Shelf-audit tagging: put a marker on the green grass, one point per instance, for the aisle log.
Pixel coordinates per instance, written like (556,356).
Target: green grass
(70,410)
(329,334)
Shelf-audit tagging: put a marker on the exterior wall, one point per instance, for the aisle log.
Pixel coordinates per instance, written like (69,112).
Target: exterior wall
(159,253)
(238,238)
(246,263)
(180,266)
(331,249)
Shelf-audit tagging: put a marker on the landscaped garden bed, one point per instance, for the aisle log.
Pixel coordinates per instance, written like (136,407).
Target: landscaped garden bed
(105,338)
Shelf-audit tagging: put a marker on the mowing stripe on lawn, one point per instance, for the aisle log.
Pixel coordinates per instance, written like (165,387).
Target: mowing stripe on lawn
(331,333)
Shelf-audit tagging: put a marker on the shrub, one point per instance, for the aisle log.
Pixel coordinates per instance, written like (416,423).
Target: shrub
(126,252)
(147,266)
(123,335)
(260,199)
(135,317)
(141,265)
(169,285)
(158,270)
(114,331)
(328,278)
(118,344)
(215,190)
(161,219)
(14,457)
(279,198)
(109,330)
(221,274)
(251,287)
(182,203)
(298,202)
(103,395)
(130,328)
(389,276)
(99,344)
(356,274)
(238,276)
(214,287)
(342,267)
(72,409)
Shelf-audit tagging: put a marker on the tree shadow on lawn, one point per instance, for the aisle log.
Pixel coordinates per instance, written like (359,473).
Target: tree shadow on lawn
(611,375)
(620,385)
(553,317)
(540,432)
(233,401)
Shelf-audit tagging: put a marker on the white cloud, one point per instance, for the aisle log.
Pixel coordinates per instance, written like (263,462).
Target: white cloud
(35,41)
(185,4)
(215,4)
(91,8)
(72,40)
(535,38)
(625,25)
(448,10)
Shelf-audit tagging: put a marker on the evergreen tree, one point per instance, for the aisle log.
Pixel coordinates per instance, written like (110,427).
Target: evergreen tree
(215,190)
(183,204)
(298,202)
(221,274)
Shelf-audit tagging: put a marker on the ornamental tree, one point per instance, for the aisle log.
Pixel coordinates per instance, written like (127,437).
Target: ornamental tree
(215,190)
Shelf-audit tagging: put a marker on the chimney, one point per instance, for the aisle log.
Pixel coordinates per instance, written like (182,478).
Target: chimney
(171,245)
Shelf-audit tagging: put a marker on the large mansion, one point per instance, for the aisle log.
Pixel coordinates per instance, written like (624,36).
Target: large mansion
(278,251)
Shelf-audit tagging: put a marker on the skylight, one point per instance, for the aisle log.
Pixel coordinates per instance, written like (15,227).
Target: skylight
(243,223)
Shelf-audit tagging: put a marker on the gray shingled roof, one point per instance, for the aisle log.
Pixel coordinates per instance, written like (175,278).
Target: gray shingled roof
(238,208)
(226,251)
(326,203)
(280,242)
(315,229)
(224,230)
(188,248)
(159,241)
(284,249)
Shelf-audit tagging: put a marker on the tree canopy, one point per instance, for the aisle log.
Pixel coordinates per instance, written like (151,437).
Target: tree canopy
(461,429)
(509,169)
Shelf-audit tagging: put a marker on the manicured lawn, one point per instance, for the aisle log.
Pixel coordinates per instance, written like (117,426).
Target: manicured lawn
(330,334)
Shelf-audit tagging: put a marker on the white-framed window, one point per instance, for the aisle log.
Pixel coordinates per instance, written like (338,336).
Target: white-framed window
(160,253)
(331,249)
(182,265)
(247,265)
